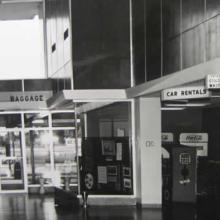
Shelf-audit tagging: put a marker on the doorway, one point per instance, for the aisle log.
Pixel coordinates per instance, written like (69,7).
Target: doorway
(11,162)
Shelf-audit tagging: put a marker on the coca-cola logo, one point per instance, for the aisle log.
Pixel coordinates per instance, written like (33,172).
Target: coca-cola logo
(194,138)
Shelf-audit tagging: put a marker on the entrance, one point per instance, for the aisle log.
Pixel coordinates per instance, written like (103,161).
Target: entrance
(199,129)
(36,147)
(11,162)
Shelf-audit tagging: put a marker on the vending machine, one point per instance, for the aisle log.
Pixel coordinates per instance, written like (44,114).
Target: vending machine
(167,145)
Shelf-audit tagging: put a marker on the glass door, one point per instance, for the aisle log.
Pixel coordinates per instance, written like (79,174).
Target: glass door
(11,162)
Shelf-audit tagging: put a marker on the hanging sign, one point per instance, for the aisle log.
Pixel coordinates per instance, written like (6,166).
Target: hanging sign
(24,100)
(194,137)
(197,140)
(167,137)
(185,93)
(213,81)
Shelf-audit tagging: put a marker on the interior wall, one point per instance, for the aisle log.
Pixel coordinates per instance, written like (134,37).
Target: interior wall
(172,35)
(105,121)
(182,121)
(58,43)
(148,153)
(101,44)
(195,121)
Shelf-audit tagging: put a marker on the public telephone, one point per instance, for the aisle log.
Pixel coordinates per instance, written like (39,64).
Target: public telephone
(183,174)
(185,160)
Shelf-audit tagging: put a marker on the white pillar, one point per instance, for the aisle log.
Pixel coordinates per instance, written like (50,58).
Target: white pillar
(148,144)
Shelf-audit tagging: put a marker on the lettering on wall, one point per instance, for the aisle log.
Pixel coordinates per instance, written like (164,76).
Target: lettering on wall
(150,143)
(213,81)
(27,98)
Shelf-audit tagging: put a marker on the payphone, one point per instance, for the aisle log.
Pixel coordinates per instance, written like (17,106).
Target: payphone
(184,174)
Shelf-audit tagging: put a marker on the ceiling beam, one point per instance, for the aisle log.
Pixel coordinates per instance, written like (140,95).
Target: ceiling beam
(189,75)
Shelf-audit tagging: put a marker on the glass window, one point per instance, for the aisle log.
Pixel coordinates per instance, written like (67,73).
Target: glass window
(65,159)
(38,156)
(63,119)
(106,151)
(10,121)
(36,120)
(11,163)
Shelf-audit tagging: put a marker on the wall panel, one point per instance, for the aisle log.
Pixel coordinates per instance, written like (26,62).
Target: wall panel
(153,39)
(193,12)
(171,55)
(193,46)
(101,44)
(213,38)
(212,8)
(139,41)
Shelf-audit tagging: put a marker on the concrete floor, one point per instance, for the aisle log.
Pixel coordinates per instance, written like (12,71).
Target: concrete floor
(24,207)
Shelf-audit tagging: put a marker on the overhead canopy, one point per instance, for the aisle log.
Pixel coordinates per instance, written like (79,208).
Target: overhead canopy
(102,95)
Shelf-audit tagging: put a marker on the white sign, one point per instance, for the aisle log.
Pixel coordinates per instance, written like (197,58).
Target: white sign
(167,137)
(118,151)
(197,140)
(194,137)
(213,81)
(24,100)
(185,93)
(102,174)
(70,142)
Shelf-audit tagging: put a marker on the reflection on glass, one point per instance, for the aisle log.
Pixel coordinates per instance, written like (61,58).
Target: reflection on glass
(11,161)
(10,121)
(63,119)
(65,155)
(38,156)
(36,120)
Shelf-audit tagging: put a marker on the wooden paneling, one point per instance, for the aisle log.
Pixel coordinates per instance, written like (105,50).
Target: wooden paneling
(153,39)
(171,18)
(139,41)
(101,49)
(213,38)
(171,55)
(192,13)
(193,46)
(171,36)
(212,8)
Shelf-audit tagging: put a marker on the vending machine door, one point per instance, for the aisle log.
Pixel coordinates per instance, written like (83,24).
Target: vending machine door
(184,174)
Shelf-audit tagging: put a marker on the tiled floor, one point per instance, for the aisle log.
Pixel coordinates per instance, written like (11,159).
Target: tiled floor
(23,207)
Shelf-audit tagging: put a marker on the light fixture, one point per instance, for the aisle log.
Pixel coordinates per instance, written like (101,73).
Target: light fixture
(187,104)
(18,1)
(172,108)
(38,121)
